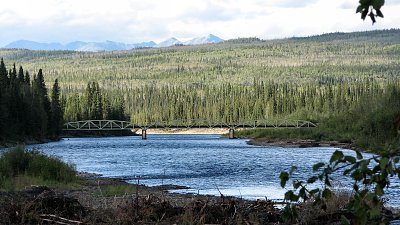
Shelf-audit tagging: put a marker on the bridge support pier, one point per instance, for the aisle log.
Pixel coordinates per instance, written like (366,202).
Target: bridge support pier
(231,133)
(144,134)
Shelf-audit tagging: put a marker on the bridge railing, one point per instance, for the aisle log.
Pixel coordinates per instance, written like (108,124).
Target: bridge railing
(126,125)
(99,125)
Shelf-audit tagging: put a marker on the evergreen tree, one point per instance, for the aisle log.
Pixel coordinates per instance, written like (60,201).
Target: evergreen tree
(41,105)
(25,109)
(56,114)
(42,91)
(3,76)
(27,78)
(13,74)
(3,96)
(20,74)
(94,105)
(98,102)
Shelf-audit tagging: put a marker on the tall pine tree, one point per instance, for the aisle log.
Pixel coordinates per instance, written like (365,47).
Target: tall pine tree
(56,115)
(41,105)
(3,97)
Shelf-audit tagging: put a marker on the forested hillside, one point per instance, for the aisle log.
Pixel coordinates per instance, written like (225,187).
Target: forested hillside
(305,78)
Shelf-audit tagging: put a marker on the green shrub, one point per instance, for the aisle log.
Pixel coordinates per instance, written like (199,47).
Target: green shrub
(21,162)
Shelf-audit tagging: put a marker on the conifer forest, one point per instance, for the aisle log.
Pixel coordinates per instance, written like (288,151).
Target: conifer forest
(340,79)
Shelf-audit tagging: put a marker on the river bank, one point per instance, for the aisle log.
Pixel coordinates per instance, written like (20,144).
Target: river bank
(101,200)
(92,203)
(299,143)
(69,134)
(26,141)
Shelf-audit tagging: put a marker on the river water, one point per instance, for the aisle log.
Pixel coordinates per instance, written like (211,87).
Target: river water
(207,164)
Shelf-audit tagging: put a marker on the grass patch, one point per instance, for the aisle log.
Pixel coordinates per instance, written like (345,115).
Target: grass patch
(20,182)
(19,167)
(116,190)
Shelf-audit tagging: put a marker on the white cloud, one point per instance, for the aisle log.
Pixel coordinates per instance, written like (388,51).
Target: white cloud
(137,20)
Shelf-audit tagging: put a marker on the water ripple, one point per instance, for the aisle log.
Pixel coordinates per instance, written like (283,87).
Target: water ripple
(201,162)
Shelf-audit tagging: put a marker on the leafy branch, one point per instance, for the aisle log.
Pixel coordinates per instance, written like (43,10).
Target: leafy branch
(371,176)
(371,8)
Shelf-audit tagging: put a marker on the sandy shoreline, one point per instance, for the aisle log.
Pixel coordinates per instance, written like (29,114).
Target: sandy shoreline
(219,131)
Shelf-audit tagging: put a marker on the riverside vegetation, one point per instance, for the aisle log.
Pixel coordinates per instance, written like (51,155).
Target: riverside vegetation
(347,83)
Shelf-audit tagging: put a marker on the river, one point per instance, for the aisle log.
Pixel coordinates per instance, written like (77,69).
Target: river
(207,164)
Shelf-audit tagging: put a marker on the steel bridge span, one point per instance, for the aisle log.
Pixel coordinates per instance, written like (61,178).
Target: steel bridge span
(114,125)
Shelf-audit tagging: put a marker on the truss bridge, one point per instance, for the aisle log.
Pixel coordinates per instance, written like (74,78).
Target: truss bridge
(115,125)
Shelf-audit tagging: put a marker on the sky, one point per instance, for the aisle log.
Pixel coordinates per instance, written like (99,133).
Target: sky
(133,21)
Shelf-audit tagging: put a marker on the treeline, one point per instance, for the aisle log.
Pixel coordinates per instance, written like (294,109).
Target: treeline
(25,108)
(28,112)
(361,110)
(371,123)
(260,100)
(93,104)
(383,35)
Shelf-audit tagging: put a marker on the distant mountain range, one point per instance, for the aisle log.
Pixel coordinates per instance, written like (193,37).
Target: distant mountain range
(109,45)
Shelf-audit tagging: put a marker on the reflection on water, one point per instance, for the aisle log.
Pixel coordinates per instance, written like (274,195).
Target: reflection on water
(205,163)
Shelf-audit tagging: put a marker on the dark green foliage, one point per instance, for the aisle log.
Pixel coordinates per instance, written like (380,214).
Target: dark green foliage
(94,105)
(3,75)
(3,96)
(229,103)
(93,102)
(40,106)
(372,8)
(371,178)
(56,114)
(368,123)
(18,161)
(25,108)
(27,78)
(21,77)
(372,125)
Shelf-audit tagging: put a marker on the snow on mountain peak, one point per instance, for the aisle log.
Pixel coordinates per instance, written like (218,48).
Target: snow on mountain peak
(204,40)
(109,45)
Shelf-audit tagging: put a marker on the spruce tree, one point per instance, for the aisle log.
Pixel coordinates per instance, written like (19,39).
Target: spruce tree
(20,74)
(13,74)
(41,105)
(56,112)
(3,98)
(98,102)
(41,87)
(27,78)
(3,76)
